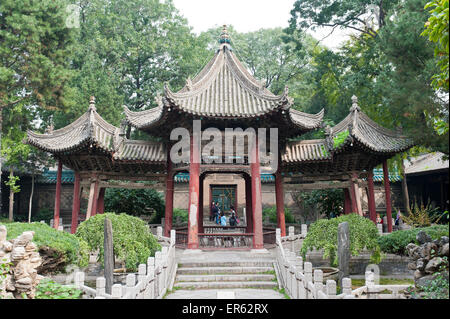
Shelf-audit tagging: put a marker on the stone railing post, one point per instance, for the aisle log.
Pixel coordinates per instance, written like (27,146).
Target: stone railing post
(79,279)
(331,289)
(100,286)
(370,283)
(131,282)
(346,286)
(380,228)
(308,278)
(159,231)
(291,232)
(116,291)
(165,264)
(151,274)
(278,234)
(318,282)
(142,280)
(173,236)
(158,272)
(304,229)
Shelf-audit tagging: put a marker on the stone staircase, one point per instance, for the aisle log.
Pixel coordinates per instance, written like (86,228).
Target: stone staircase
(226,275)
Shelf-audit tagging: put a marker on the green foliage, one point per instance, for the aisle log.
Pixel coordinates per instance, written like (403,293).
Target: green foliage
(271,212)
(182,215)
(48,289)
(340,138)
(132,240)
(68,247)
(436,28)
(323,235)
(438,288)
(135,202)
(396,242)
(327,201)
(44,214)
(12,183)
(421,215)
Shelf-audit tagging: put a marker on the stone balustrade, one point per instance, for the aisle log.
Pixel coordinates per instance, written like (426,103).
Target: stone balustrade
(151,281)
(300,281)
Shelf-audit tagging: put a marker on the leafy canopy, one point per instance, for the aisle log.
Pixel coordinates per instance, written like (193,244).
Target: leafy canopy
(323,234)
(133,242)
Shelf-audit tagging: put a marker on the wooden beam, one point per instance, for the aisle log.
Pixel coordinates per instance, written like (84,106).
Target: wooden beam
(318,185)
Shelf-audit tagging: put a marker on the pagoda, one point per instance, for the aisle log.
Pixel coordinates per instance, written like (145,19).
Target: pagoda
(223,96)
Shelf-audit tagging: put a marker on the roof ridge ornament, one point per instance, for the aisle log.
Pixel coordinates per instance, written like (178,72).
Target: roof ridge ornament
(355,106)
(92,104)
(50,128)
(189,84)
(225,39)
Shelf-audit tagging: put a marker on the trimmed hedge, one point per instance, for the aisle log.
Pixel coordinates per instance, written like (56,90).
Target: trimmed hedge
(63,247)
(132,240)
(396,242)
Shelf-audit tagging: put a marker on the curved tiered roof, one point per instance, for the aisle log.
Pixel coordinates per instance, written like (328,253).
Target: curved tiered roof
(367,134)
(225,89)
(88,131)
(364,144)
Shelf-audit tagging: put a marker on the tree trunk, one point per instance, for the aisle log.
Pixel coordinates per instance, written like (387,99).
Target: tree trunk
(31,199)
(11,198)
(405,189)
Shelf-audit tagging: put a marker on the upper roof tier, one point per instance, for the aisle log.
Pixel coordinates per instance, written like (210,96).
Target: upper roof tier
(225,89)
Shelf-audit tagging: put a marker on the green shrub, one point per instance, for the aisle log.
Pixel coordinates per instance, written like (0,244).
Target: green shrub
(64,247)
(323,235)
(44,214)
(48,289)
(135,202)
(132,240)
(272,213)
(181,213)
(396,242)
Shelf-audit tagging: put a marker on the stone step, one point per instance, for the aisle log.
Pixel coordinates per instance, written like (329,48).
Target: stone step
(255,263)
(222,278)
(223,270)
(226,284)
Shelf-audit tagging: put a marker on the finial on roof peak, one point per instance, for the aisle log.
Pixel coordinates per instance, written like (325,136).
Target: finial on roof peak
(92,103)
(355,105)
(224,36)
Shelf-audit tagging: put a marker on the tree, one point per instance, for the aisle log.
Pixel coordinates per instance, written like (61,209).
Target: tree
(363,16)
(389,71)
(35,44)
(436,28)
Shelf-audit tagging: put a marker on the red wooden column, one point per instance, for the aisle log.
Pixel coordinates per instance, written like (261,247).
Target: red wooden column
(57,196)
(371,197)
(258,240)
(279,195)
(76,203)
(194,191)
(93,197)
(200,207)
(248,204)
(387,188)
(101,201)
(347,201)
(169,197)
(354,204)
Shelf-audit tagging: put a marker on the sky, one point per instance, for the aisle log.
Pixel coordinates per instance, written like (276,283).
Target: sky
(246,16)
